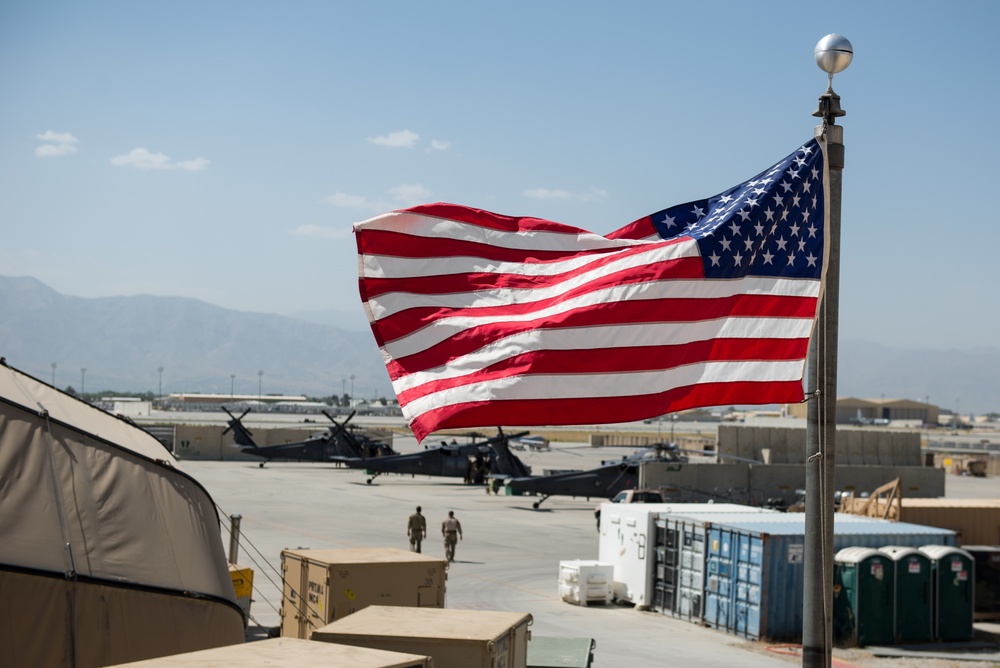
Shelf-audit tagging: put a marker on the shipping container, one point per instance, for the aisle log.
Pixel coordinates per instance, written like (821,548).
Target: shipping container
(287,653)
(627,536)
(753,570)
(976,521)
(987,576)
(321,586)
(452,638)
(585,582)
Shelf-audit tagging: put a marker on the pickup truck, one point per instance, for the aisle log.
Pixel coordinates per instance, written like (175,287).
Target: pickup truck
(632,496)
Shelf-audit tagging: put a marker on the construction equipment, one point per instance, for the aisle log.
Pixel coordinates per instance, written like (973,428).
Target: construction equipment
(884,502)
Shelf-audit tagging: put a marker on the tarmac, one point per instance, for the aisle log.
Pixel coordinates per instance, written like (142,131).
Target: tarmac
(508,560)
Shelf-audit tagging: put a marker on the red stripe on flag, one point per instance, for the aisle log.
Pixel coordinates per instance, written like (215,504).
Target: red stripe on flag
(488,219)
(398,244)
(601,410)
(412,319)
(684,267)
(621,360)
(634,312)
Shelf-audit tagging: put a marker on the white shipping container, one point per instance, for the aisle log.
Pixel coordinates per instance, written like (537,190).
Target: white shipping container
(627,537)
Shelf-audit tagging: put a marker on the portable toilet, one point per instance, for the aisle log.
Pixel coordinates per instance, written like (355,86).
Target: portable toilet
(863,596)
(954,592)
(987,577)
(913,619)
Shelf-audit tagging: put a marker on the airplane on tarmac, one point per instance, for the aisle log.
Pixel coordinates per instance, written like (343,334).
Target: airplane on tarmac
(454,460)
(328,445)
(611,477)
(862,420)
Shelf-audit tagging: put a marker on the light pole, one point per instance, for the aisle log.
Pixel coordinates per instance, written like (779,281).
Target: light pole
(260,379)
(673,421)
(232,385)
(53,374)
(352,388)
(83,375)
(833,54)
(159,392)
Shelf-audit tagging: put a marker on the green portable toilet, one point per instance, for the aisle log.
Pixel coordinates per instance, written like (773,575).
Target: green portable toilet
(913,618)
(953,571)
(864,601)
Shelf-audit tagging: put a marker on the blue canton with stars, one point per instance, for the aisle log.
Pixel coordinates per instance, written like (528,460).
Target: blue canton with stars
(771,225)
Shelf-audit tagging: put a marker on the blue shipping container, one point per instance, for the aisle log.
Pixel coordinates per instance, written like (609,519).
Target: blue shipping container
(754,566)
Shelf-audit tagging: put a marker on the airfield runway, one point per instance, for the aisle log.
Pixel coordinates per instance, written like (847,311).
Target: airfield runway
(508,560)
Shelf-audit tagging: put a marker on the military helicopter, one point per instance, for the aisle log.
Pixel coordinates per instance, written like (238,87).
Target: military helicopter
(450,460)
(325,446)
(611,477)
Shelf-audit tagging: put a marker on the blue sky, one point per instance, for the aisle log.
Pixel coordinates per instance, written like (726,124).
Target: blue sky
(222,150)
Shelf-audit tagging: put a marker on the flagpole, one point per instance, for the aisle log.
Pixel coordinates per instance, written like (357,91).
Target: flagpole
(833,54)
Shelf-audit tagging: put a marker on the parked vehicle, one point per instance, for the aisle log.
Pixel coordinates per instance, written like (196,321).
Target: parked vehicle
(632,496)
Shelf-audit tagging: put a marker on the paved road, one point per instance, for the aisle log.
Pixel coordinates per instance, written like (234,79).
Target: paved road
(508,560)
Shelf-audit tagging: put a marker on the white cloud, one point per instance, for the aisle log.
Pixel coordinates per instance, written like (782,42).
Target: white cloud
(440,144)
(195,165)
(142,158)
(591,195)
(545,193)
(400,196)
(59,143)
(52,150)
(410,194)
(345,201)
(57,137)
(401,139)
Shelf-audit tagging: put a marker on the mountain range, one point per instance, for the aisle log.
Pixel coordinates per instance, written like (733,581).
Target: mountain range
(123,341)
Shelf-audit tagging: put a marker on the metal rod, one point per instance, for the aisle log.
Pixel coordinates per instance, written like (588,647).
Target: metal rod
(234,537)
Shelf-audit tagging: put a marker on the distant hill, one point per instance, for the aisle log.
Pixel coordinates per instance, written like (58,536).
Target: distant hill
(966,381)
(121,341)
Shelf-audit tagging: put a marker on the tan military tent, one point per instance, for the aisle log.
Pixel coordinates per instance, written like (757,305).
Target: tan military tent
(108,552)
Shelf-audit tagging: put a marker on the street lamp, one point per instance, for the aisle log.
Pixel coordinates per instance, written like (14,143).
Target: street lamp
(232,384)
(833,54)
(83,375)
(159,392)
(53,374)
(352,387)
(260,379)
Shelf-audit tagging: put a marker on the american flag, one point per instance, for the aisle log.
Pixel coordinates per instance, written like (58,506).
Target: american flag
(487,320)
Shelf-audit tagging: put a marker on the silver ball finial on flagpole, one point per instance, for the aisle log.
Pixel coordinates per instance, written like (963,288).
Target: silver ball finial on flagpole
(833,54)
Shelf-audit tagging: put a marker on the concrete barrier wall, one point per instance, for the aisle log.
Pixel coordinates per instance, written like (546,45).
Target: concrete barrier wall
(786,445)
(755,483)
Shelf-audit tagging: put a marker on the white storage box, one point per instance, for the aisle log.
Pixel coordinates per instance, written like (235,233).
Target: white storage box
(585,582)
